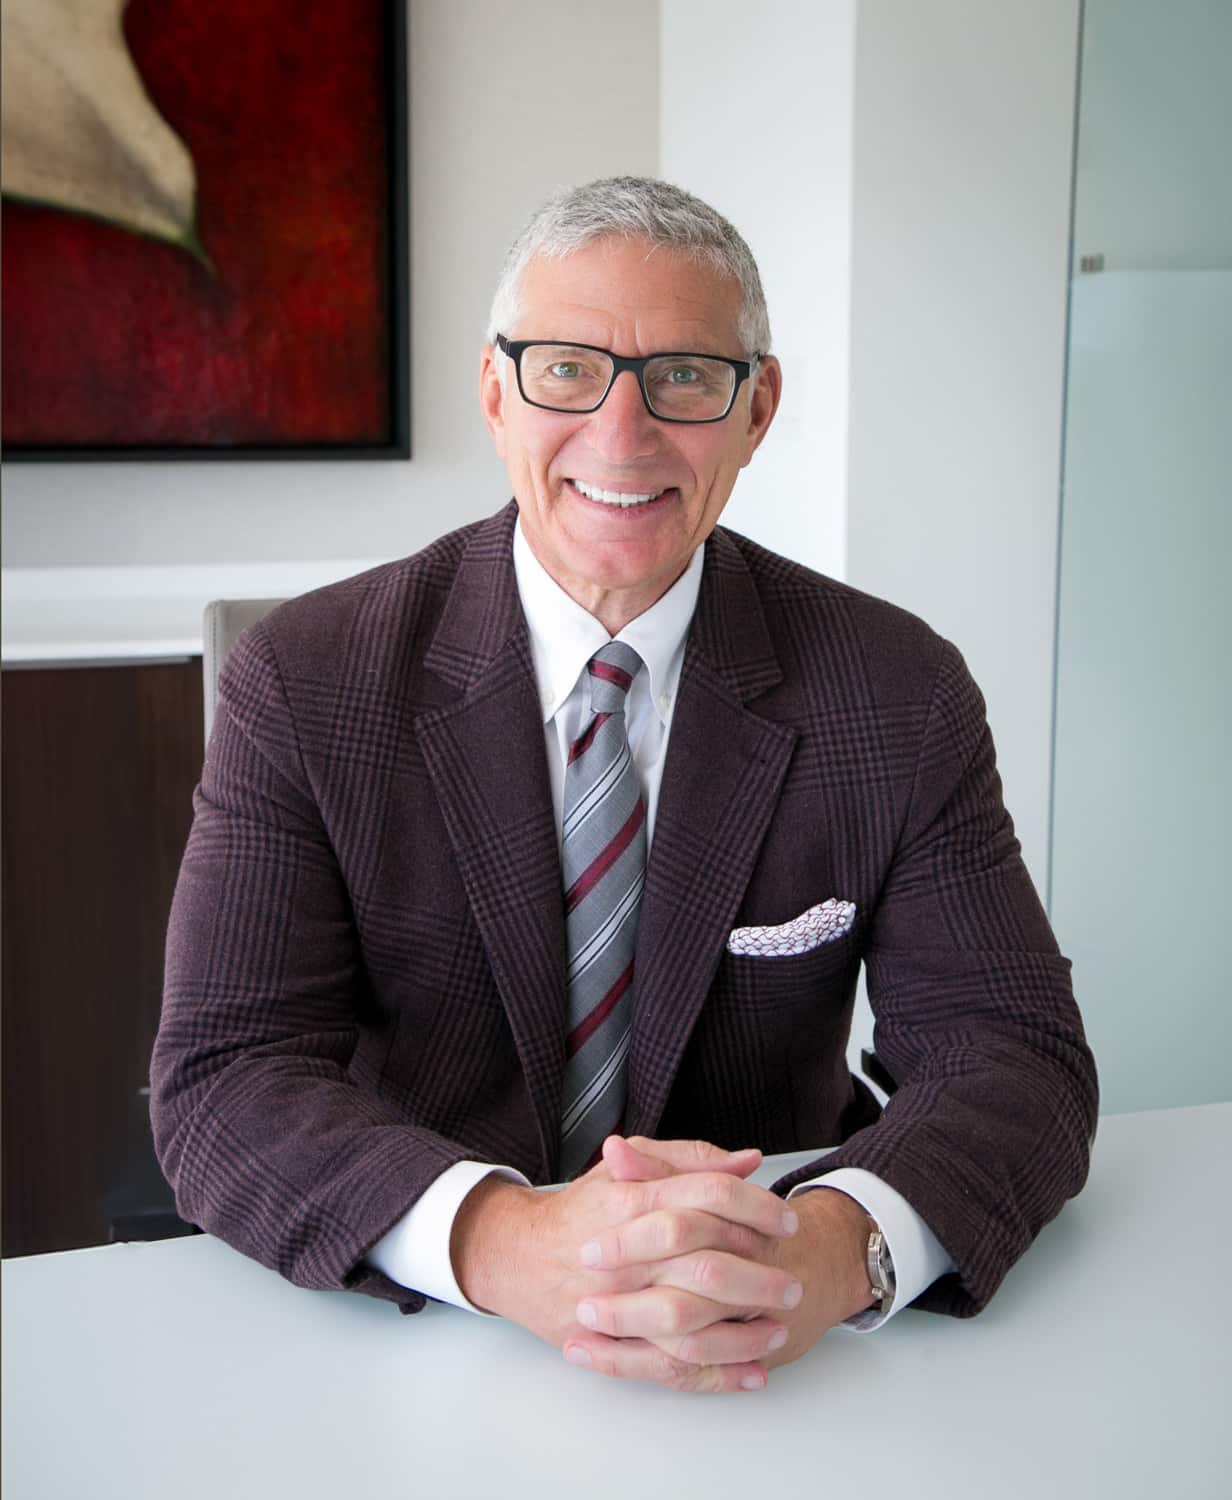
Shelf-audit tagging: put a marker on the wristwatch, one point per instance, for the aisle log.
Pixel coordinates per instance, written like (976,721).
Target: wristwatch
(880,1267)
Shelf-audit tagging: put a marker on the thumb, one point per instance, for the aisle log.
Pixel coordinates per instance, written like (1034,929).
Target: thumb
(643,1160)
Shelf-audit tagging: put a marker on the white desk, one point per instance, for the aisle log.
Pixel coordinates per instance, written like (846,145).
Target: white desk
(1102,1368)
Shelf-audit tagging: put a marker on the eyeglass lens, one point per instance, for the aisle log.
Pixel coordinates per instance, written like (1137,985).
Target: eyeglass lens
(688,387)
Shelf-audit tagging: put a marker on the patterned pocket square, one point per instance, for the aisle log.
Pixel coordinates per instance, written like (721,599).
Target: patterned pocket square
(820,924)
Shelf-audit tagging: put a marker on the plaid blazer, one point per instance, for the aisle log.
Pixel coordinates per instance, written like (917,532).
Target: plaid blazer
(366,956)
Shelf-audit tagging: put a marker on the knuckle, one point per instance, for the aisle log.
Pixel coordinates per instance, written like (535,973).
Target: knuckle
(689,1350)
(707,1272)
(672,1230)
(749,1244)
(745,1243)
(665,1369)
(677,1314)
(718,1190)
(629,1199)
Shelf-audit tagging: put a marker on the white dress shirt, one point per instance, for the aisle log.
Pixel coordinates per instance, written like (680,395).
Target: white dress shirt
(563,638)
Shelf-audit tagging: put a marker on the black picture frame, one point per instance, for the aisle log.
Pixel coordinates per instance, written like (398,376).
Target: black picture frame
(397,302)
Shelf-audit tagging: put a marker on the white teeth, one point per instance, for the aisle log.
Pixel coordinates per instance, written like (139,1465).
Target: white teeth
(613,497)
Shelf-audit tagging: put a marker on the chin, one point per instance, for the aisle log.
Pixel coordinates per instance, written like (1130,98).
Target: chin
(642,584)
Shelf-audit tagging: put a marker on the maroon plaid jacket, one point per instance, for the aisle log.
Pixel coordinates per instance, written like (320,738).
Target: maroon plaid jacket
(365,964)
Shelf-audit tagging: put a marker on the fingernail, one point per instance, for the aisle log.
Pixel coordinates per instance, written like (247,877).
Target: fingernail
(752,1382)
(791,1221)
(587,1315)
(591,1254)
(577,1355)
(777,1340)
(791,1297)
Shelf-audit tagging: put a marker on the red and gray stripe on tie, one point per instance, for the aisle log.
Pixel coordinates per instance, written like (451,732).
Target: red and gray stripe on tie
(603,859)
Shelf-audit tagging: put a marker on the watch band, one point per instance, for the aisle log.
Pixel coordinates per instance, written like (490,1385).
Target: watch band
(880,1267)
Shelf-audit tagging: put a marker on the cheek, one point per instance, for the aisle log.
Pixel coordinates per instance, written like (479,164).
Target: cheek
(542,451)
(716,470)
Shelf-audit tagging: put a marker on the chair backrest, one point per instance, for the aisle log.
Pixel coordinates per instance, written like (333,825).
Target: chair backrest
(225,621)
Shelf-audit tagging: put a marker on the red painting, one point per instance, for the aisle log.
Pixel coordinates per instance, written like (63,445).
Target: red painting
(225,273)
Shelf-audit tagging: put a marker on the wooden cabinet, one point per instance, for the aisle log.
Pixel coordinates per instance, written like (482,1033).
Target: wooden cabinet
(99,765)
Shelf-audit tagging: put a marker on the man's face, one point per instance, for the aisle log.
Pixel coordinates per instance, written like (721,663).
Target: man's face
(619,294)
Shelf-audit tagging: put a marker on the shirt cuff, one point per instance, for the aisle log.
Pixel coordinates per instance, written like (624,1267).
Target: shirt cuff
(415,1252)
(919,1256)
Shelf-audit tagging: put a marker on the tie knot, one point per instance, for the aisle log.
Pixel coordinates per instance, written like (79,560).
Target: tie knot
(612,670)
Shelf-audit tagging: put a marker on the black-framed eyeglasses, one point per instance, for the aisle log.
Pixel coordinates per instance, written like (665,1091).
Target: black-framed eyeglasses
(577,377)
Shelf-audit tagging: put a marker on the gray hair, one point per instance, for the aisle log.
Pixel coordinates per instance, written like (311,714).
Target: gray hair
(635,208)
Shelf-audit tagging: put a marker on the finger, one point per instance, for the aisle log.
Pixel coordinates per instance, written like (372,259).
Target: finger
(635,1359)
(689,1327)
(626,1164)
(640,1159)
(726,1343)
(724,1196)
(664,1234)
(690,1293)
(729,1280)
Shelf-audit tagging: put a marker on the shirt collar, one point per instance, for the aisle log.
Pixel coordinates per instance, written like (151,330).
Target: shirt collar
(563,636)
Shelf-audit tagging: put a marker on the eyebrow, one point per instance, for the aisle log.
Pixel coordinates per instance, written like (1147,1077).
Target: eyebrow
(654,354)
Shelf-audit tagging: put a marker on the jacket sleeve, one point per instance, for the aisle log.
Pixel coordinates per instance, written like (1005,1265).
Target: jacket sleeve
(268,1143)
(990,1129)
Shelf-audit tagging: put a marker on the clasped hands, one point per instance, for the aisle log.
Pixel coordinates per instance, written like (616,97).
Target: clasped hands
(663,1263)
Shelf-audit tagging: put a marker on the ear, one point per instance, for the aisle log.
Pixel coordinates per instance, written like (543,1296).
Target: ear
(764,402)
(492,396)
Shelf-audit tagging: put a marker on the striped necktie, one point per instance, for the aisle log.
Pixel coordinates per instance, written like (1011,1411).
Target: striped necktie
(603,861)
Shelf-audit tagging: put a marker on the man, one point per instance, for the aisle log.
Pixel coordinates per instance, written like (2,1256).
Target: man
(580,823)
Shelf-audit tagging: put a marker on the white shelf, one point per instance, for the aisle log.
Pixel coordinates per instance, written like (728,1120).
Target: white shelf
(121,614)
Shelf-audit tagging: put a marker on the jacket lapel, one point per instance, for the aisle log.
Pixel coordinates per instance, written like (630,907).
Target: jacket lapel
(484,752)
(725,768)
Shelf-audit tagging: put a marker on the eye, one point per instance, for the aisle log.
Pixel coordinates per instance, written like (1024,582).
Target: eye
(682,375)
(564,369)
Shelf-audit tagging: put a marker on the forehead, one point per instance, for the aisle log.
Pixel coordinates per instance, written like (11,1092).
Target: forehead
(630,296)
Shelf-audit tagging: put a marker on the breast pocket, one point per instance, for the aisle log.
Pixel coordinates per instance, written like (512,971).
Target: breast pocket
(820,979)
(767,1051)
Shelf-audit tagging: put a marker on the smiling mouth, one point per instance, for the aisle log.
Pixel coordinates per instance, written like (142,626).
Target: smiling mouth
(618,499)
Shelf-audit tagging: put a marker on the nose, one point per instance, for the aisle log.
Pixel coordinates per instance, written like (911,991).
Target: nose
(622,430)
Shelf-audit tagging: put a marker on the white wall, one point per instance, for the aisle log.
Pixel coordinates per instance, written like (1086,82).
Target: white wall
(964,120)
(484,152)
(902,173)
(755,108)
(945,491)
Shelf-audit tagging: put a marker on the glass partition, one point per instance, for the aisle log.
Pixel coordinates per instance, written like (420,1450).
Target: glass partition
(1140,893)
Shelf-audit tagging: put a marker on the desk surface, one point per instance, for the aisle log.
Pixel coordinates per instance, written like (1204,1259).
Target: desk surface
(1102,1367)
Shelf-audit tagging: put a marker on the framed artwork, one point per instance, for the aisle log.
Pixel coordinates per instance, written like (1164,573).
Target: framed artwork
(205,244)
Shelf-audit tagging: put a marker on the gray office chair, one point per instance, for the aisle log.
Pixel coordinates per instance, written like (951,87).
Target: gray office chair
(225,621)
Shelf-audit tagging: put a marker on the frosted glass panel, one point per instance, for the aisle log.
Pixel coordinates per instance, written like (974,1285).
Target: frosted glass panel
(1142,819)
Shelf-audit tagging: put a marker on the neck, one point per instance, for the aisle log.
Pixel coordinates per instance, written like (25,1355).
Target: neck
(613,608)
